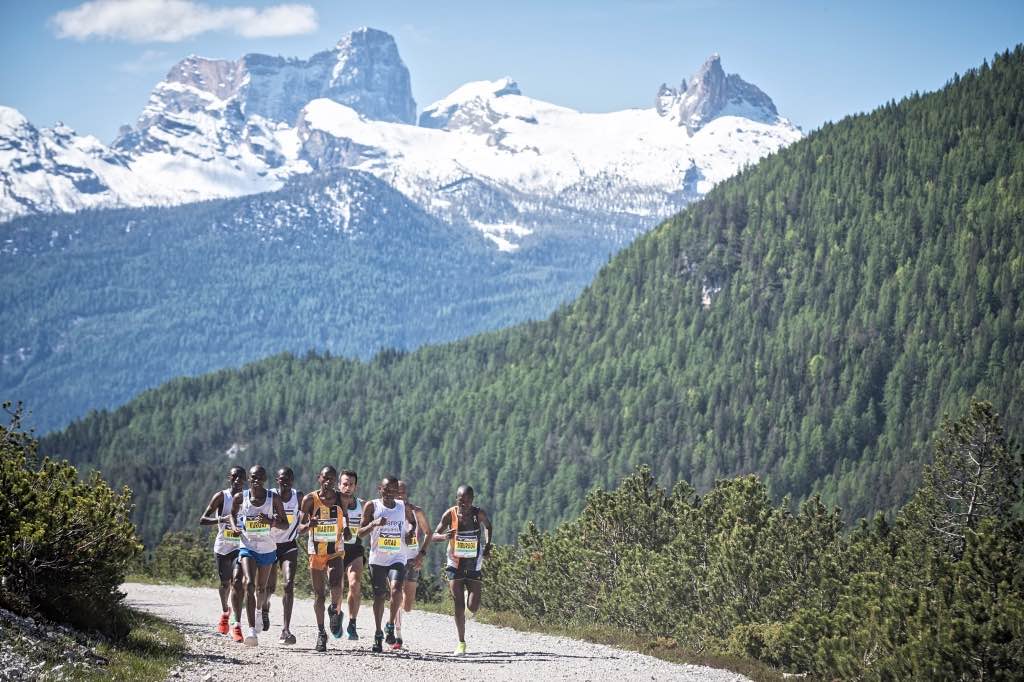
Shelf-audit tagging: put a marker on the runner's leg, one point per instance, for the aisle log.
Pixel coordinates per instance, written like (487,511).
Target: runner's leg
(249,577)
(288,593)
(459,597)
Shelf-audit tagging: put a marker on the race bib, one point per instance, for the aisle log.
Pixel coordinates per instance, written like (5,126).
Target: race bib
(291,519)
(325,532)
(466,546)
(415,542)
(354,521)
(254,528)
(390,543)
(232,536)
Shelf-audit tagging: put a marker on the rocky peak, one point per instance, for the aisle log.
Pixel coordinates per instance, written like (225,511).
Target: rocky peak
(711,93)
(369,76)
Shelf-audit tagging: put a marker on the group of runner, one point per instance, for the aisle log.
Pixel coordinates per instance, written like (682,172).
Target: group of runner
(257,544)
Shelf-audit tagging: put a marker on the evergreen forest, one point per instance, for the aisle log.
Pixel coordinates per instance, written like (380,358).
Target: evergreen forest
(104,304)
(810,321)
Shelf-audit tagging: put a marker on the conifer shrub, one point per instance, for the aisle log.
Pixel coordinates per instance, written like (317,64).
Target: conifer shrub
(65,543)
(936,594)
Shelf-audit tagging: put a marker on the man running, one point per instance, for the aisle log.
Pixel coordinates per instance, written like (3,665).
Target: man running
(461,526)
(225,551)
(324,518)
(253,513)
(390,525)
(287,554)
(412,570)
(348,483)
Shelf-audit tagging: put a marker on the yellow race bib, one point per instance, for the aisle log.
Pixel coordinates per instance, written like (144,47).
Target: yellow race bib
(255,528)
(466,547)
(325,532)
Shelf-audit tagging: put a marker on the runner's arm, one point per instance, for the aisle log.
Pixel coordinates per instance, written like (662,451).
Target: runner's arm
(486,523)
(236,505)
(211,516)
(424,524)
(443,530)
(306,520)
(410,517)
(369,523)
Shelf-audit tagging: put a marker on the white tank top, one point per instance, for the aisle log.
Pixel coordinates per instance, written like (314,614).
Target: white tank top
(387,542)
(291,508)
(355,519)
(256,536)
(227,540)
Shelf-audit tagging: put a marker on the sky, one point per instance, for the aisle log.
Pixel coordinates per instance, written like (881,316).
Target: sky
(92,64)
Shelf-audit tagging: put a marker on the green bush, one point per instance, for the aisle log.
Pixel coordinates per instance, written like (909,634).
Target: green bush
(938,594)
(65,544)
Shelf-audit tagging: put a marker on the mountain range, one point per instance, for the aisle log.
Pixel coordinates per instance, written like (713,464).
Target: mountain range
(502,207)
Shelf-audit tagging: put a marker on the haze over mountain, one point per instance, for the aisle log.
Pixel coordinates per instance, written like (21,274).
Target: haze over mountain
(538,194)
(809,320)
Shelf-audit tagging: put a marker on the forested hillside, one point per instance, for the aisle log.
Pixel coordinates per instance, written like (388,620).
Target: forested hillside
(810,320)
(102,305)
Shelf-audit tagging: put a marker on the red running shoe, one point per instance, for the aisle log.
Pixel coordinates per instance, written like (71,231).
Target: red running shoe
(236,633)
(222,626)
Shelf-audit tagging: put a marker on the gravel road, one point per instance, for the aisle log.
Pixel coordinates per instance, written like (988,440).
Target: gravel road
(494,653)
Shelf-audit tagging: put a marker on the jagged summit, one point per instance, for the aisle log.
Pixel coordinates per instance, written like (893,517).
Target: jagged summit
(711,93)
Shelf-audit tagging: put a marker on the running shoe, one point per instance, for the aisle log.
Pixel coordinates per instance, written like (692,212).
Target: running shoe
(222,626)
(266,620)
(321,641)
(460,648)
(250,639)
(352,634)
(397,645)
(236,632)
(335,616)
(389,630)
(286,638)
(378,642)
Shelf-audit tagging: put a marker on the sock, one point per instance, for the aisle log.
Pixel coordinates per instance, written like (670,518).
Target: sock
(351,621)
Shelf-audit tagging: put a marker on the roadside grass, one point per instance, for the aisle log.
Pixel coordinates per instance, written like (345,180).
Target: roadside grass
(150,651)
(665,648)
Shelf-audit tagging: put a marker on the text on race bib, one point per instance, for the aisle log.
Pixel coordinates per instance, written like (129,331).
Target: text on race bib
(254,527)
(325,532)
(466,547)
(232,536)
(389,543)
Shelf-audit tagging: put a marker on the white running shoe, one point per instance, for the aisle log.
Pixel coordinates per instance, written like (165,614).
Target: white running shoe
(250,639)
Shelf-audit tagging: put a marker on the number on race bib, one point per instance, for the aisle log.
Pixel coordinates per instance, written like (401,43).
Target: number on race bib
(232,536)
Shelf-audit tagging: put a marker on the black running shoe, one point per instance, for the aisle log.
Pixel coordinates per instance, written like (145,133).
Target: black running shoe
(335,621)
(266,621)
(286,638)
(390,630)
(321,641)
(352,634)
(378,642)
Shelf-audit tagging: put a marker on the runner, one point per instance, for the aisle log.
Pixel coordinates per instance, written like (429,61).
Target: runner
(287,554)
(253,513)
(412,572)
(225,551)
(323,516)
(348,483)
(390,525)
(461,526)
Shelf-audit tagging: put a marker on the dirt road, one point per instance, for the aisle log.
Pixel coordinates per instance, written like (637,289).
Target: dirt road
(494,653)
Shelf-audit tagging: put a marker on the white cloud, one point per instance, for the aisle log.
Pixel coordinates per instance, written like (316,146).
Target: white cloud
(169,21)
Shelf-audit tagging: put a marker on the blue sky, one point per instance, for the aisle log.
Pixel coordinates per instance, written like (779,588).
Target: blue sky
(819,61)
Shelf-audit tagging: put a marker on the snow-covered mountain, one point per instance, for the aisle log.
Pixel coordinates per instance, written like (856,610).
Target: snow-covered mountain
(486,156)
